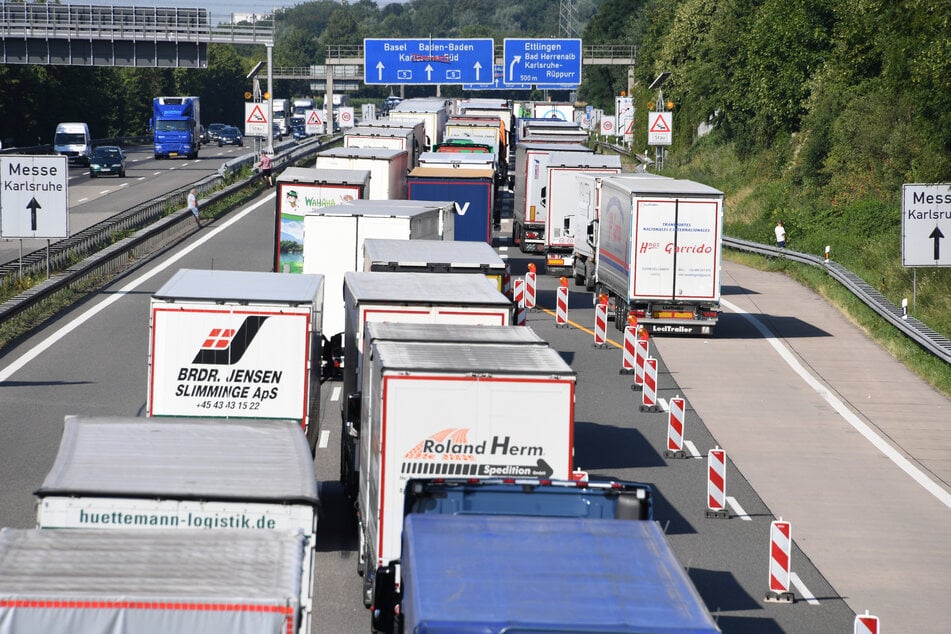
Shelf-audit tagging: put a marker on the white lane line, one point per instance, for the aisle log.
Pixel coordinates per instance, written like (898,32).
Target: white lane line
(887,450)
(803,590)
(82,200)
(124,185)
(324,439)
(140,178)
(692,448)
(335,394)
(104,192)
(57,335)
(663,404)
(737,509)
(156,173)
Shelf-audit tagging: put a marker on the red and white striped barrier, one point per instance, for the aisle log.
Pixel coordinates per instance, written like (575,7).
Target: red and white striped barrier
(865,624)
(519,302)
(641,352)
(530,288)
(628,354)
(675,427)
(780,557)
(600,325)
(716,484)
(649,393)
(561,304)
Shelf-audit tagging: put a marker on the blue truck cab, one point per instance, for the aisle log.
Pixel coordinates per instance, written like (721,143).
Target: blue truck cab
(176,124)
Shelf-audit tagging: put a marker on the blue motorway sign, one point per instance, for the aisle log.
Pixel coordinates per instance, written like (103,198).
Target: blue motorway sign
(428,61)
(542,62)
(499,82)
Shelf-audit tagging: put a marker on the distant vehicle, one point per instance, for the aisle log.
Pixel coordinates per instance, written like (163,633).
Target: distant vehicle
(301,106)
(298,128)
(278,133)
(390,102)
(214,129)
(176,123)
(230,135)
(107,159)
(73,141)
(203,135)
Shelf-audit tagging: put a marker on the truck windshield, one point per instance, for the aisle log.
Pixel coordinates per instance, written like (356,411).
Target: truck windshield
(171,126)
(70,138)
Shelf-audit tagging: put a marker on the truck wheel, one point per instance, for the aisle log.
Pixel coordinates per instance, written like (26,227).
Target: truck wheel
(579,277)
(516,238)
(588,277)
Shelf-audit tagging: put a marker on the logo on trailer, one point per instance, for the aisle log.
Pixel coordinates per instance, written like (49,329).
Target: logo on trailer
(224,346)
(450,453)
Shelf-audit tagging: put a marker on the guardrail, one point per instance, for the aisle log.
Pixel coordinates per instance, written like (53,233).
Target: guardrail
(97,251)
(934,342)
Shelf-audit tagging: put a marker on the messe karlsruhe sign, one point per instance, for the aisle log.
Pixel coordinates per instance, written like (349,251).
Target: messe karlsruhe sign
(542,62)
(428,61)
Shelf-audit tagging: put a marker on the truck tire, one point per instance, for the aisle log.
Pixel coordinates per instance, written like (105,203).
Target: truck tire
(516,238)
(588,277)
(579,277)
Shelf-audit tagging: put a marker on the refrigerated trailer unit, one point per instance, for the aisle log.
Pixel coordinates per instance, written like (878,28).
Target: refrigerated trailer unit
(237,344)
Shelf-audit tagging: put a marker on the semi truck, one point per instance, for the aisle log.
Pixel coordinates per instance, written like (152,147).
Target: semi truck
(659,253)
(388,168)
(528,226)
(471,190)
(176,124)
(433,111)
(237,344)
(227,581)
(475,411)
(281,113)
(404,297)
(559,195)
(496,573)
(415,126)
(436,256)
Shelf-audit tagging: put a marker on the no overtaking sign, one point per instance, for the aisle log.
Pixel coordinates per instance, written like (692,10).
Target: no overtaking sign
(34,200)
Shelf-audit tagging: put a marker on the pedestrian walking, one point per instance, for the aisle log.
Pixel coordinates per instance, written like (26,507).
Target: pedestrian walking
(780,235)
(193,205)
(265,165)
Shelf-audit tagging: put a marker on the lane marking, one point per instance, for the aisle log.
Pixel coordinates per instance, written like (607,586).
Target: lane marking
(692,448)
(737,509)
(57,335)
(887,450)
(335,393)
(82,200)
(324,439)
(803,590)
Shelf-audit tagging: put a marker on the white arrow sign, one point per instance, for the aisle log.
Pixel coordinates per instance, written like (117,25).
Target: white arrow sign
(515,60)
(478,68)
(379,70)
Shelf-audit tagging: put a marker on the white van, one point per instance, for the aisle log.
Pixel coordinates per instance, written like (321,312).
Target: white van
(74,141)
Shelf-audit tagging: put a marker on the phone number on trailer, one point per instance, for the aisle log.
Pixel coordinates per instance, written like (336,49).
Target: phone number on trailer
(230,405)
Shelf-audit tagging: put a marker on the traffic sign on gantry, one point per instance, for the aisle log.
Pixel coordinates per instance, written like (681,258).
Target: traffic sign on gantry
(542,62)
(926,224)
(428,61)
(34,197)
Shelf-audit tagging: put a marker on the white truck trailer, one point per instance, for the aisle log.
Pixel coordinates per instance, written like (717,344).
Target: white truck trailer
(388,168)
(406,297)
(237,344)
(416,126)
(472,411)
(558,200)
(433,111)
(658,257)
(226,581)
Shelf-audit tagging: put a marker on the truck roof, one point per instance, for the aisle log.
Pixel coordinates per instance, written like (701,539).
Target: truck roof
(451,253)
(426,171)
(578,160)
(379,331)
(414,288)
(183,458)
(547,146)
(548,574)
(379,131)
(501,359)
(661,186)
(324,176)
(243,286)
(381,153)
(117,567)
(381,208)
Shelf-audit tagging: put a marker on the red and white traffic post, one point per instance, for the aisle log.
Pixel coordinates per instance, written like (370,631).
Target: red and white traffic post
(519,302)
(675,427)
(530,287)
(601,322)
(641,352)
(716,484)
(865,624)
(649,393)
(630,340)
(780,557)
(561,305)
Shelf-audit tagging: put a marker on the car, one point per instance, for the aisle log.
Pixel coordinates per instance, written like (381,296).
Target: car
(278,134)
(107,159)
(230,135)
(203,135)
(214,129)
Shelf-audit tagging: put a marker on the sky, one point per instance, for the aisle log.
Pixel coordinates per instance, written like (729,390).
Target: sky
(220,10)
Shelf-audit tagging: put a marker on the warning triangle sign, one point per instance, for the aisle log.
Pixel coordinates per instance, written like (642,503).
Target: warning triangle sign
(314,119)
(659,125)
(257,115)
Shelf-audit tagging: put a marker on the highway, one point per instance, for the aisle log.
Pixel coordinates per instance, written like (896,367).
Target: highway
(868,533)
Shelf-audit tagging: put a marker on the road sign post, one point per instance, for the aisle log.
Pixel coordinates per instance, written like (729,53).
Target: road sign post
(544,63)
(428,61)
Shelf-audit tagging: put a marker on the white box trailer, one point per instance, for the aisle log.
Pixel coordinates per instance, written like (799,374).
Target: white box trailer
(388,168)
(528,226)
(587,209)
(558,200)
(195,581)
(237,344)
(433,111)
(333,242)
(381,138)
(472,411)
(436,256)
(659,247)
(416,125)
(300,190)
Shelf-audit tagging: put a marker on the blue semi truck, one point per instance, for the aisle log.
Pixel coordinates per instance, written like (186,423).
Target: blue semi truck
(176,124)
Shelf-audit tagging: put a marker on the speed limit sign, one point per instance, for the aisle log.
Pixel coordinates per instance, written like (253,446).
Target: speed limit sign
(346,117)
(608,126)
